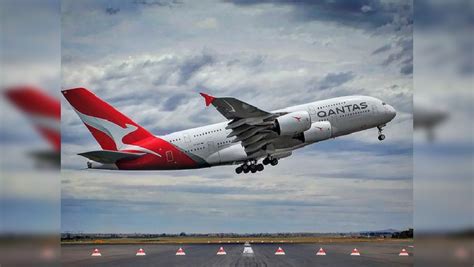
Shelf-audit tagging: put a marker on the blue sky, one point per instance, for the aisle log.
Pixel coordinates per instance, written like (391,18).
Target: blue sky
(151,58)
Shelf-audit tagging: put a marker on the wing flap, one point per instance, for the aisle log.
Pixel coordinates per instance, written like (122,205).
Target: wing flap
(250,125)
(110,156)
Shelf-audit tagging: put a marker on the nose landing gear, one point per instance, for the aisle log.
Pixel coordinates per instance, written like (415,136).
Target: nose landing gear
(381,135)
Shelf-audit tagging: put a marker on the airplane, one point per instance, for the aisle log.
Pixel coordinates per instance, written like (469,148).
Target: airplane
(44,112)
(250,134)
(428,117)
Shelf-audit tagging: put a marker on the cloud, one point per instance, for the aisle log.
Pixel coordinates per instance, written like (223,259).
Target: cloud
(208,23)
(335,79)
(157,3)
(112,11)
(327,193)
(403,57)
(367,14)
(366,8)
(192,65)
(382,49)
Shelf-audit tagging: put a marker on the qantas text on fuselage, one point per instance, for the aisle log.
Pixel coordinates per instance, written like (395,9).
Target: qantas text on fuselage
(248,136)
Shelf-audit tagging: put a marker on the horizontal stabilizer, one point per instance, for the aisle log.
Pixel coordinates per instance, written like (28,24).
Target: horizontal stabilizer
(109,156)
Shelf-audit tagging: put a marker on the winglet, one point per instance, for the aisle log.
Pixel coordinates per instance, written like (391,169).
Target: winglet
(209,99)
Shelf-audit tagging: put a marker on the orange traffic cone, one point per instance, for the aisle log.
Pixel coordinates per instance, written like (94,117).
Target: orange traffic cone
(355,252)
(280,251)
(140,252)
(180,252)
(404,252)
(321,252)
(96,253)
(221,251)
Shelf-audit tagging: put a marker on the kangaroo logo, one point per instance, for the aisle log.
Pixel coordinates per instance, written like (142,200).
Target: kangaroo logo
(114,131)
(298,119)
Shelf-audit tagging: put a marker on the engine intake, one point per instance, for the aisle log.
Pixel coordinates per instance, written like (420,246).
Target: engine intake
(293,123)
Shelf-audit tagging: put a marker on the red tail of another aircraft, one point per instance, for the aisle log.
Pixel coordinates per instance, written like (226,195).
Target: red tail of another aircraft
(43,110)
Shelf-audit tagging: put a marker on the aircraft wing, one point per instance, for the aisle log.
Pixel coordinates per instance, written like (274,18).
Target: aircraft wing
(232,108)
(250,125)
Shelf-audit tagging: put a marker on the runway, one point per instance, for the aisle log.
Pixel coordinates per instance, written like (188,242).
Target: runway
(372,254)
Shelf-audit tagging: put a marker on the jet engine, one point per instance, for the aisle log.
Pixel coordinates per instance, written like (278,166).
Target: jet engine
(293,123)
(319,131)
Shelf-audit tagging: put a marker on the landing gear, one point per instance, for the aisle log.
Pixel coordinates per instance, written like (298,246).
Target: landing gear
(238,170)
(381,135)
(270,160)
(274,162)
(245,168)
(250,166)
(266,161)
(253,168)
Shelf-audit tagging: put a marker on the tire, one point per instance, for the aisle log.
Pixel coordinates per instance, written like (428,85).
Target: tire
(253,170)
(260,167)
(246,170)
(245,167)
(274,162)
(238,170)
(381,137)
(253,167)
(265,161)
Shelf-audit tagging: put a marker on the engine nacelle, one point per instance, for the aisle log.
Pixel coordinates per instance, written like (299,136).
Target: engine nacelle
(293,123)
(319,131)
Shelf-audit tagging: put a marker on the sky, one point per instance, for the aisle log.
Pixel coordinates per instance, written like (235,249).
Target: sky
(443,169)
(150,59)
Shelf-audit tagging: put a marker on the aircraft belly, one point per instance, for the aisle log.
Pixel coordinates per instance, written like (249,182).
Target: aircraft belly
(230,154)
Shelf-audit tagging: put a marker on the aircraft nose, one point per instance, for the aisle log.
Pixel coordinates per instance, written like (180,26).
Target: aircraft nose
(391,111)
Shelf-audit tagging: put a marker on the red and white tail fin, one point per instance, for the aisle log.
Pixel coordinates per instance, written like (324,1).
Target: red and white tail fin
(43,110)
(111,129)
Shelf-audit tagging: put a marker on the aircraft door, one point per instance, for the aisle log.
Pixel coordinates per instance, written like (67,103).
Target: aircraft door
(211,147)
(186,138)
(169,156)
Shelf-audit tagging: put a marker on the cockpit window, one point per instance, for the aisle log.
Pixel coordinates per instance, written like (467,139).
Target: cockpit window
(383,103)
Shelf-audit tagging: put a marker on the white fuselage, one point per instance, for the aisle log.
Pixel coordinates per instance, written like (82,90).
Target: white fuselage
(346,115)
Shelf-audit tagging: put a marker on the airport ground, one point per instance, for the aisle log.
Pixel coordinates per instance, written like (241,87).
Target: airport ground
(373,253)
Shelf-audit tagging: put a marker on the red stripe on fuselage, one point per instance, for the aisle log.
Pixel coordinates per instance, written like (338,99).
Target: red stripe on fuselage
(178,159)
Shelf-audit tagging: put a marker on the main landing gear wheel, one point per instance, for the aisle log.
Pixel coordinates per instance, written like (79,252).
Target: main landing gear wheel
(270,160)
(253,168)
(238,170)
(274,162)
(381,137)
(250,166)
